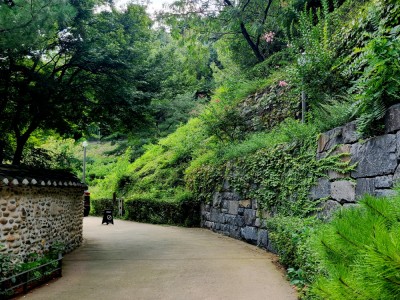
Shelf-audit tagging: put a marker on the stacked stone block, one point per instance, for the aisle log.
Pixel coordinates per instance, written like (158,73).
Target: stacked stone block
(376,159)
(234,216)
(377,170)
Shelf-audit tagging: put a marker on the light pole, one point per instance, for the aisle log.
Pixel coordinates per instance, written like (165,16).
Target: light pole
(302,61)
(84,144)
(303,106)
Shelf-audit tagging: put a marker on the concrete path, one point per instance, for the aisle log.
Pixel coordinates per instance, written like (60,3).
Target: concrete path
(131,260)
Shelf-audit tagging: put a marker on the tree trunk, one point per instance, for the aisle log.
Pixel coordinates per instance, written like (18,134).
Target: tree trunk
(246,35)
(253,46)
(2,146)
(21,141)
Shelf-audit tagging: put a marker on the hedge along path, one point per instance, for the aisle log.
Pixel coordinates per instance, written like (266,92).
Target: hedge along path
(131,260)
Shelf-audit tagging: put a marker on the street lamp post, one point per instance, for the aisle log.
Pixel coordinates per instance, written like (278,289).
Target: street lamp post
(84,144)
(302,61)
(303,106)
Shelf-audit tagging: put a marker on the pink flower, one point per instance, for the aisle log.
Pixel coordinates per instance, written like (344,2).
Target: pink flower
(269,36)
(283,83)
(217,101)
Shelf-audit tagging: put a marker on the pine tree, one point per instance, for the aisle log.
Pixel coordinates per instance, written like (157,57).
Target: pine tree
(360,249)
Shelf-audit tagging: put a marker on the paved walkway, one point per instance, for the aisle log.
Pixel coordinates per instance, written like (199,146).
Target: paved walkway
(131,260)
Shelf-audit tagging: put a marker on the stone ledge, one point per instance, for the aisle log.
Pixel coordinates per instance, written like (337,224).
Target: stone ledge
(367,154)
(329,139)
(343,191)
(23,176)
(350,134)
(392,119)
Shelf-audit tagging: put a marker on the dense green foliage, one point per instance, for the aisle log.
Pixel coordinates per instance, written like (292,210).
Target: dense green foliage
(183,211)
(10,265)
(359,249)
(378,86)
(354,256)
(98,207)
(212,94)
(71,66)
(178,211)
(373,63)
(291,238)
(74,68)
(278,171)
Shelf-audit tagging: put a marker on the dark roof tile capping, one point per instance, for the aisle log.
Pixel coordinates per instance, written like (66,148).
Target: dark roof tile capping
(17,175)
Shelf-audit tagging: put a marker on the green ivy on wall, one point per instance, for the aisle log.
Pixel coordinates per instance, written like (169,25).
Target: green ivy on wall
(279,177)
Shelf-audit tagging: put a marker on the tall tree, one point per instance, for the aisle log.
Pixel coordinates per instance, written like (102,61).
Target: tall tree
(70,66)
(247,19)
(24,28)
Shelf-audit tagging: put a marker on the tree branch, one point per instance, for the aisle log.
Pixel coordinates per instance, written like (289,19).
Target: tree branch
(245,5)
(228,3)
(253,46)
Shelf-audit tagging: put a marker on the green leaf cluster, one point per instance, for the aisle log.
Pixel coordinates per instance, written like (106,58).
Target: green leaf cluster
(360,249)
(313,70)
(158,173)
(378,86)
(71,67)
(291,239)
(277,169)
(182,210)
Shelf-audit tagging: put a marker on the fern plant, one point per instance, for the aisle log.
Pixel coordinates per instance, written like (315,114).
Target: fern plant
(378,86)
(336,111)
(314,73)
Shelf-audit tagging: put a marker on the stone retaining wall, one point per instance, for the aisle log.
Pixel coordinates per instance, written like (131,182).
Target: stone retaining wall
(35,213)
(235,217)
(376,171)
(377,163)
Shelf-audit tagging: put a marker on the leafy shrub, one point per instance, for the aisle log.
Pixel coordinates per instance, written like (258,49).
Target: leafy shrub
(332,114)
(378,87)
(205,179)
(369,44)
(273,62)
(278,176)
(360,249)
(223,120)
(290,237)
(7,265)
(50,152)
(313,70)
(184,211)
(97,206)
